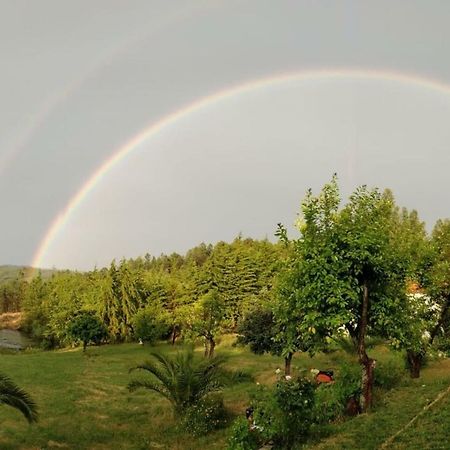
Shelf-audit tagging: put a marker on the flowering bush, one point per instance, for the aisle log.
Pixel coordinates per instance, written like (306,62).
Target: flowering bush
(282,415)
(205,416)
(242,437)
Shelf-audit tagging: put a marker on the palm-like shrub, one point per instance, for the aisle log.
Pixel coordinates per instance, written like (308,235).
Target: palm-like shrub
(182,379)
(13,395)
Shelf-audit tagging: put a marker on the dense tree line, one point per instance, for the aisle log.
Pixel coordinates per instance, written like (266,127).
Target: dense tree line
(199,295)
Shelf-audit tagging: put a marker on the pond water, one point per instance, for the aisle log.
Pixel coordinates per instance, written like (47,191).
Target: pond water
(14,339)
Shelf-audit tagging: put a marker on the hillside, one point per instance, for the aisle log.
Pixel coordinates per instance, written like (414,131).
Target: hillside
(9,273)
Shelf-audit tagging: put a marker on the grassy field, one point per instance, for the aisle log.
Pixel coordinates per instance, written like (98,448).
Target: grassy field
(84,403)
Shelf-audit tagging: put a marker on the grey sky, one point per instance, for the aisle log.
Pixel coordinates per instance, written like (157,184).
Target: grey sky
(103,70)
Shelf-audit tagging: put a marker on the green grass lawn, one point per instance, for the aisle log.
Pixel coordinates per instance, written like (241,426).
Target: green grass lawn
(84,403)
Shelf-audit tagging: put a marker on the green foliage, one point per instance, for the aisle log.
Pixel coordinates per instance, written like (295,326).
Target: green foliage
(389,373)
(206,319)
(14,396)
(206,415)
(240,274)
(183,380)
(284,414)
(241,437)
(258,330)
(332,399)
(345,272)
(150,323)
(87,328)
(121,294)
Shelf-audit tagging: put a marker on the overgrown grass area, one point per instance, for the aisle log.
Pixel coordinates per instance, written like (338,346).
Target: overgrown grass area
(84,402)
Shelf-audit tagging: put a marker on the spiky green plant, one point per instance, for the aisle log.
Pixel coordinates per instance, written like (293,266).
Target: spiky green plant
(182,379)
(13,395)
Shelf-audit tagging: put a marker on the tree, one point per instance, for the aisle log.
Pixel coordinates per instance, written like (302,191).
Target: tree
(12,395)
(183,380)
(206,318)
(150,323)
(426,312)
(121,291)
(437,279)
(258,330)
(87,328)
(345,272)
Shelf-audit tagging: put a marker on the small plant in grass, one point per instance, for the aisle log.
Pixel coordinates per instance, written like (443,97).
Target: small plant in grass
(183,379)
(13,395)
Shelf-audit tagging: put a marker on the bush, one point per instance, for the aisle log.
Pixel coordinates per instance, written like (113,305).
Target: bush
(285,414)
(442,345)
(241,437)
(329,404)
(388,374)
(332,399)
(205,416)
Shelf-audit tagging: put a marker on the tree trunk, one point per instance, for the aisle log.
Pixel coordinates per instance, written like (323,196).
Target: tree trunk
(415,360)
(212,346)
(287,364)
(174,334)
(367,364)
(84,345)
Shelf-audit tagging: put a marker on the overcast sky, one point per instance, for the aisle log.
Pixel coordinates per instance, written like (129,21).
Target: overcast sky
(81,78)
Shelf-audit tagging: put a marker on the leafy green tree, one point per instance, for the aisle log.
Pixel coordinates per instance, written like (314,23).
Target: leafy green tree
(346,272)
(121,293)
(206,318)
(184,380)
(150,323)
(258,330)
(14,396)
(437,279)
(87,328)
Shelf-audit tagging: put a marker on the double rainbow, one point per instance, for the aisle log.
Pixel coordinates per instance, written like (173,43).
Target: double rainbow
(59,222)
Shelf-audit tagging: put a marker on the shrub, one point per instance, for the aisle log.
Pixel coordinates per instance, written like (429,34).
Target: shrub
(205,416)
(329,404)
(284,414)
(332,399)
(388,374)
(241,437)
(442,345)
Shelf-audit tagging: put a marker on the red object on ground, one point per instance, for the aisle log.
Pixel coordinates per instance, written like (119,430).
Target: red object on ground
(323,377)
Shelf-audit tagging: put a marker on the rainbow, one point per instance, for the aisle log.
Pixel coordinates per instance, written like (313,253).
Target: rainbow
(58,224)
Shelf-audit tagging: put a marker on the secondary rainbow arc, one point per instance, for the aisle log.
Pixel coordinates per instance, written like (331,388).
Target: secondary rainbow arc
(154,128)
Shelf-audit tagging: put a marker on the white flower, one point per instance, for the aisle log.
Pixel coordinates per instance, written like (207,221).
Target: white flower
(288,377)
(278,371)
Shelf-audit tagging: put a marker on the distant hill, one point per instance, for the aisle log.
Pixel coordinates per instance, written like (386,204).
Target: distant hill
(9,273)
